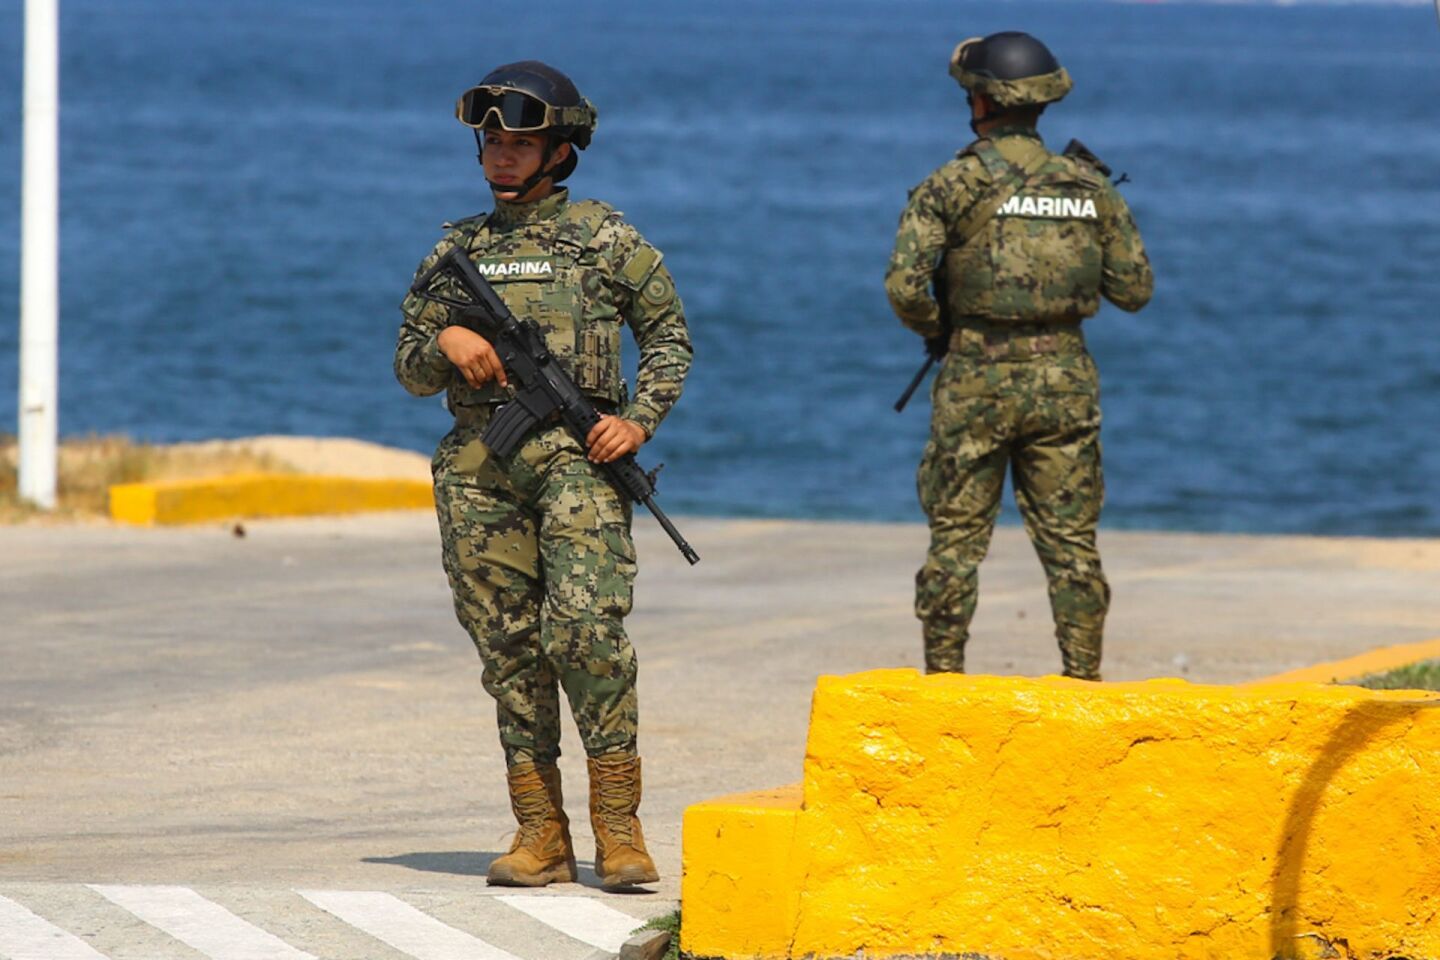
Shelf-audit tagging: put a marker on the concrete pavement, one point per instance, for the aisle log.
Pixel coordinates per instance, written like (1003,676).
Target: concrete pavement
(297,708)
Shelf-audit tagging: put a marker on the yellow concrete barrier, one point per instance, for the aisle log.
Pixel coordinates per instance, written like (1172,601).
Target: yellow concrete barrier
(260,495)
(1053,819)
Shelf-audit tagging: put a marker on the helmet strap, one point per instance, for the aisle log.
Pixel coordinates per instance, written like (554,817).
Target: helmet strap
(974,120)
(531,182)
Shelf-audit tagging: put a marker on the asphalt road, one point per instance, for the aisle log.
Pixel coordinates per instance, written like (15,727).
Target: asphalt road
(296,709)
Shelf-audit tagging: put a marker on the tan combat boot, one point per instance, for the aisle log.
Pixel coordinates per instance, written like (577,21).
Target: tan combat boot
(542,852)
(620,856)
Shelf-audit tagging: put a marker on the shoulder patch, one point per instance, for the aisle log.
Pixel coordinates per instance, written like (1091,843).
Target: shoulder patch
(639,267)
(659,290)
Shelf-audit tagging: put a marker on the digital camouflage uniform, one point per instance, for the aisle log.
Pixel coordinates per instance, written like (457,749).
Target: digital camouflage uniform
(1018,388)
(537,547)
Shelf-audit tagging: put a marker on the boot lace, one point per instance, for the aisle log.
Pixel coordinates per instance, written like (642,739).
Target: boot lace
(532,811)
(617,800)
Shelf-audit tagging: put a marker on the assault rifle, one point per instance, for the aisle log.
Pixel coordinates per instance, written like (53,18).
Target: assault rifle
(544,388)
(937,347)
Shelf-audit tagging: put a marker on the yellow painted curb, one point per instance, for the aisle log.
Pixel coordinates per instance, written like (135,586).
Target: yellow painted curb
(1044,819)
(1353,668)
(746,844)
(261,495)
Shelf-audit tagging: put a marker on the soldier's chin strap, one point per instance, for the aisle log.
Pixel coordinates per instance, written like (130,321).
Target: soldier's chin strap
(974,120)
(525,186)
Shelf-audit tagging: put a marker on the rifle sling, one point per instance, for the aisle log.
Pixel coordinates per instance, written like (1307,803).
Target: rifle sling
(1006,186)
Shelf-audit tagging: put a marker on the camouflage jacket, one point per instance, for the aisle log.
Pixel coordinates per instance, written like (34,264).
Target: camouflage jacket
(1049,253)
(579,271)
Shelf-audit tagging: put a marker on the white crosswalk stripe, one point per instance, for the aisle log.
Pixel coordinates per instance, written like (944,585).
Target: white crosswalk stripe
(25,936)
(408,930)
(588,921)
(200,923)
(50,921)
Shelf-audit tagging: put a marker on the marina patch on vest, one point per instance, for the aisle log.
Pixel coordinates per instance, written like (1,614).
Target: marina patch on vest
(1059,208)
(503,269)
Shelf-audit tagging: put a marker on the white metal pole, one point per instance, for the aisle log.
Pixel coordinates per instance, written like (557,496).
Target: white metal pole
(40,255)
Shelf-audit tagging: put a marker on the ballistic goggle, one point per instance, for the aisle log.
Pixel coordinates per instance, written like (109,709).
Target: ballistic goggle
(518,111)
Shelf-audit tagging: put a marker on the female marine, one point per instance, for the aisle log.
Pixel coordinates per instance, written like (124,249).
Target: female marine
(537,546)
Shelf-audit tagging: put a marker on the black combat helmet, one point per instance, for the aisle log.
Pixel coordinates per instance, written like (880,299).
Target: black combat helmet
(531,96)
(1012,69)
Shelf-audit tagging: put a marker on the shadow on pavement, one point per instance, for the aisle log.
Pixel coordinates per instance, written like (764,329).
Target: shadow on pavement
(470,863)
(464,863)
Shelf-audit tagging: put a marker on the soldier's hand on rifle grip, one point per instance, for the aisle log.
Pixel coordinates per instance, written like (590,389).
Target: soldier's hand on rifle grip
(612,438)
(472,355)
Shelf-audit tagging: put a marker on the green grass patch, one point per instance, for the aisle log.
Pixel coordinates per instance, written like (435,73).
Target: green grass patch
(1424,675)
(670,922)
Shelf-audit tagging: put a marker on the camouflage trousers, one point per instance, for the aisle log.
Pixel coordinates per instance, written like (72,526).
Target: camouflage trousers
(1040,418)
(542,566)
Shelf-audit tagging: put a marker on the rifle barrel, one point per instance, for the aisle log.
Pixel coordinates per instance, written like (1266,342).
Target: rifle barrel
(914,384)
(687,551)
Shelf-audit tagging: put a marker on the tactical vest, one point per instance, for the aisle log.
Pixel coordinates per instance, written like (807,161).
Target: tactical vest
(1038,258)
(551,271)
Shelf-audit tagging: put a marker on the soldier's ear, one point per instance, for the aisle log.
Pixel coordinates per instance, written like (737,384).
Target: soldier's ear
(559,155)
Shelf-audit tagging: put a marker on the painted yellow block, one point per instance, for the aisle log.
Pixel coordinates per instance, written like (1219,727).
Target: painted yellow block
(1048,819)
(261,495)
(747,845)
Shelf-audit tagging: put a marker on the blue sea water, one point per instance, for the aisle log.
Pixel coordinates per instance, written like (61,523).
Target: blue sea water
(248,184)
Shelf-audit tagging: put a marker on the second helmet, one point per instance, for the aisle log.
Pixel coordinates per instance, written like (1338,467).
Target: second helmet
(1013,69)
